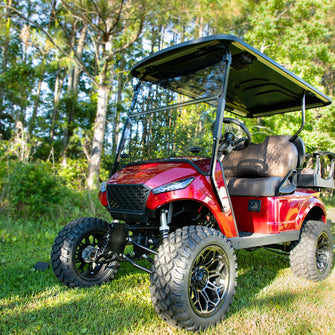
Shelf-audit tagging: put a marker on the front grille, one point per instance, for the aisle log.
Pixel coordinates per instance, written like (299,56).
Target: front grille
(127,198)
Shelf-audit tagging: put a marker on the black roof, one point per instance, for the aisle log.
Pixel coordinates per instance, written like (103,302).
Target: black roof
(257,86)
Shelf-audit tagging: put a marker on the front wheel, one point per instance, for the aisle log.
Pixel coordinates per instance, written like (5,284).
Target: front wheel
(74,254)
(193,278)
(312,257)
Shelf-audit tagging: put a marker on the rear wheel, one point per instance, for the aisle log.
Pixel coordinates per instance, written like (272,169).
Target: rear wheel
(312,257)
(74,254)
(193,278)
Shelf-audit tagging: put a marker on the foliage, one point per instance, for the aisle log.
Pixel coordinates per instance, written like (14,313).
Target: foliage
(73,173)
(31,189)
(297,34)
(53,54)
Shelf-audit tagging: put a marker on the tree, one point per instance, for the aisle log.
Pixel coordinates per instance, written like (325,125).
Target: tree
(112,26)
(299,35)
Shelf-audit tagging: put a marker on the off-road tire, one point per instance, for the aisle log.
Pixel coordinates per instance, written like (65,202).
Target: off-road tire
(195,269)
(66,255)
(312,256)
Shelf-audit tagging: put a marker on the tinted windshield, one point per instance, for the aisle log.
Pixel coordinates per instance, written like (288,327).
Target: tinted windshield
(174,116)
(204,83)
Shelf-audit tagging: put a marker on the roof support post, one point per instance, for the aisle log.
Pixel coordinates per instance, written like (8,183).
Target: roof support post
(217,132)
(303,114)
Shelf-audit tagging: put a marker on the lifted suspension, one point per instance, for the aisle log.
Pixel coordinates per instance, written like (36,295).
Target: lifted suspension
(165,220)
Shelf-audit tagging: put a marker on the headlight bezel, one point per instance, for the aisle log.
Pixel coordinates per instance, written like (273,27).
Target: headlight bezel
(174,186)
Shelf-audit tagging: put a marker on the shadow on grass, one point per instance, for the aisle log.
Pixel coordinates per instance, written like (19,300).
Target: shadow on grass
(256,270)
(36,302)
(39,303)
(33,301)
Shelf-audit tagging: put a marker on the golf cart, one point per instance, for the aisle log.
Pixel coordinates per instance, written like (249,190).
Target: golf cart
(189,187)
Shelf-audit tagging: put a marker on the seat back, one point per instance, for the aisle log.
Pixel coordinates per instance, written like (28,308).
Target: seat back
(300,145)
(275,157)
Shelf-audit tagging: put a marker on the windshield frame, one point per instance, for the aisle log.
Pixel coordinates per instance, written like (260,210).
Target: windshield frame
(214,98)
(172,106)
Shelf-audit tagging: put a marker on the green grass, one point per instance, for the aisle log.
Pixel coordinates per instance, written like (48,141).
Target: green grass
(269,299)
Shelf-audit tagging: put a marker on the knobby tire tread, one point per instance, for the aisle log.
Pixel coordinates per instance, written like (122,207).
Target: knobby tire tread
(62,249)
(168,273)
(302,256)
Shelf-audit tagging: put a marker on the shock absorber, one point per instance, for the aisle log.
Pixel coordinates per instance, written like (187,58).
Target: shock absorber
(164,228)
(104,242)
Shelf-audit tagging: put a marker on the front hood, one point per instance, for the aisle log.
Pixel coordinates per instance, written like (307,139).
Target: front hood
(157,173)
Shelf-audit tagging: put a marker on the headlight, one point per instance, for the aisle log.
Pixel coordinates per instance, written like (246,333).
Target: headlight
(176,185)
(103,187)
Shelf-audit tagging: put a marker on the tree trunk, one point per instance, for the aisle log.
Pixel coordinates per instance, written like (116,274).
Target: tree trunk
(5,49)
(57,92)
(99,131)
(80,48)
(72,92)
(37,97)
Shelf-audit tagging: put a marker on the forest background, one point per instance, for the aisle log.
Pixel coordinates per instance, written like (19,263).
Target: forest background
(65,84)
(64,89)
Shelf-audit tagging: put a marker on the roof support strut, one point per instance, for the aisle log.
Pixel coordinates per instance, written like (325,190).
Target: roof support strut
(217,132)
(303,113)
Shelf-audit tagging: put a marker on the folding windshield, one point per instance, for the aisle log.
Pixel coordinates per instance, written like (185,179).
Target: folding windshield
(204,85)
(165,124)
(173,117)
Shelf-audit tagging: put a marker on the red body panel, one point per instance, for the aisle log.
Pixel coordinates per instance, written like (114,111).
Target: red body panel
(275,215)
(155,174)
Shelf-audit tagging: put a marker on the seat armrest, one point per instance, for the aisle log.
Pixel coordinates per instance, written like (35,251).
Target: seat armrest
(287,186)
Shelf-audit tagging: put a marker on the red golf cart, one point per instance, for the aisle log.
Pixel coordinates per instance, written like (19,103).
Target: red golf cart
(189,186)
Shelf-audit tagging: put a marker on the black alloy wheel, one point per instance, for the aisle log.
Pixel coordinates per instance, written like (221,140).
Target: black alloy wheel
(193,278)
(75,254)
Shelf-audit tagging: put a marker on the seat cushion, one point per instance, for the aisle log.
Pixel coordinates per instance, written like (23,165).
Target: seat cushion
(275,157)
(254,187)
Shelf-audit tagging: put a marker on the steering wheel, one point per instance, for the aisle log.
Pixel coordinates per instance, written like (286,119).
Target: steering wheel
(235,136)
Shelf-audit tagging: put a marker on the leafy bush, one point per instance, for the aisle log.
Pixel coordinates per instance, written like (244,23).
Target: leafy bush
(74,173)
(31,189)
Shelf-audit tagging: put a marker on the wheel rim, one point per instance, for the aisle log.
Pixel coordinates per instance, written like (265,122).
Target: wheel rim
(86,253)
(209,281)
(323,250)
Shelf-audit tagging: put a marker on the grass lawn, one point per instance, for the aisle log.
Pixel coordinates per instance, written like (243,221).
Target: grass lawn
(269,299)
